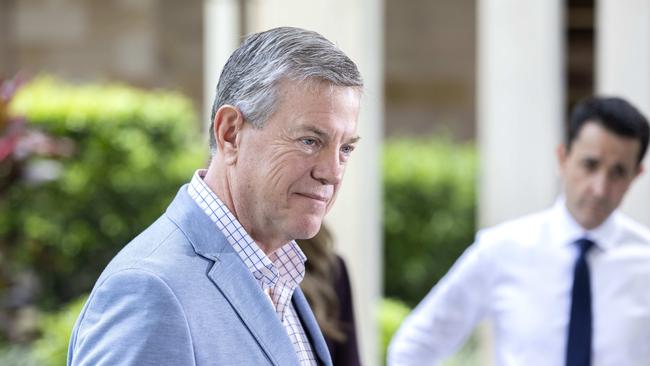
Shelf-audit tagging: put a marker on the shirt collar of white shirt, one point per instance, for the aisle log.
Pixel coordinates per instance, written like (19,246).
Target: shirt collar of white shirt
(567,230)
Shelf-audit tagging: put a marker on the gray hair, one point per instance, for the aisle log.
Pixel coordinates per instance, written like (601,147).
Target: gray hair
(251,77)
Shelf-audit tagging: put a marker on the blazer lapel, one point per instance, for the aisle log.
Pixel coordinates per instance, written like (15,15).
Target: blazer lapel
(234,280)
(311,327)
(241,290)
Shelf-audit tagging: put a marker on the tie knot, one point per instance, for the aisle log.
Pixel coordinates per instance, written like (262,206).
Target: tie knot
(584,244)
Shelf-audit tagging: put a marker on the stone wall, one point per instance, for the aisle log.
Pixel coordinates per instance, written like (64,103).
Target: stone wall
(147,43)
(429,52)
(430,67)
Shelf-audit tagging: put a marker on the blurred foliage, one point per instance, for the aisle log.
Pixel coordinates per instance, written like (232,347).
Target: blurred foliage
(52,348)
(99,164)
(391,314)
(429,212)
(18,356)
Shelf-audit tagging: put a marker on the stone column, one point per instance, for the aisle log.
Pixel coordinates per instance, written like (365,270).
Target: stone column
(221,25)
(520,105)
(520,98)
(623,69)
(356,27)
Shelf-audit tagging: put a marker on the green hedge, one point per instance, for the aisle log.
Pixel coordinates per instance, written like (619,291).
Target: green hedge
(391,315)
(111,160)
(429,212)
(52,348)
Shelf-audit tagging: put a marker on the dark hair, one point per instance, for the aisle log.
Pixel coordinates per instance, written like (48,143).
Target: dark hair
(615,115)
(253,74)
(318,285)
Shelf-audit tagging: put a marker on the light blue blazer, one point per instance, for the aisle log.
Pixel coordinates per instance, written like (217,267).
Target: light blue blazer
(178,294)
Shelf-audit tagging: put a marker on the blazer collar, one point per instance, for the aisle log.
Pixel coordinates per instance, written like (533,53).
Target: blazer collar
(233,279)
(311,327)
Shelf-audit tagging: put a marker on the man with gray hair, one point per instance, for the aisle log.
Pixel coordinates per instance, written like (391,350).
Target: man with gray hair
(214,281)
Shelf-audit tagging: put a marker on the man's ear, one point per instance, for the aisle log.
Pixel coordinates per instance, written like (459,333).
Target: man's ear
(228,123)
(562,154)
(639,170)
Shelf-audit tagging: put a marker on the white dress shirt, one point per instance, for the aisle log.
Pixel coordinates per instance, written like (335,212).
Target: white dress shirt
(519,275)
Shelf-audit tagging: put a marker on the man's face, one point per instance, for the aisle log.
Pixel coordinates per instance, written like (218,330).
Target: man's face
(289,171)
(597,172)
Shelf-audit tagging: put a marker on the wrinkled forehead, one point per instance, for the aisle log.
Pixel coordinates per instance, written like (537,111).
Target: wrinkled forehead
(324,109)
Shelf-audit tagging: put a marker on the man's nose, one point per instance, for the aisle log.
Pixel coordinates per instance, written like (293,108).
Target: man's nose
(600,184)
(329,168)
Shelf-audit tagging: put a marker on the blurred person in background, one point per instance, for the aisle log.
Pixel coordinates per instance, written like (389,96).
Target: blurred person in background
(214,281)
(565,286)
(327,288)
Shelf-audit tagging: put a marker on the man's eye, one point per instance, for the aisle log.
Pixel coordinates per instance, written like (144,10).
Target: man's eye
(347,149)
(620,172)
(308,141)
(590,164)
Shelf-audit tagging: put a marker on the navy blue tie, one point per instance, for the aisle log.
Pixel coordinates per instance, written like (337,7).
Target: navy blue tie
(579,342)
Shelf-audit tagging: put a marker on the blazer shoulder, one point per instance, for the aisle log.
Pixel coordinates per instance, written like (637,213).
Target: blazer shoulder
(158,237)
(132,317)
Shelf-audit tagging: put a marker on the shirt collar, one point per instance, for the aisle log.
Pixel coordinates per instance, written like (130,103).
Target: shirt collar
(567,230)
(286,264)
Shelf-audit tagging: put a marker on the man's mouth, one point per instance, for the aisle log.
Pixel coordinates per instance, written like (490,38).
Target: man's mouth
(315,196)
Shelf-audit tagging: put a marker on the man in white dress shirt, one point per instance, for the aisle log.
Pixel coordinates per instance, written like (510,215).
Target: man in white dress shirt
(566,286)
